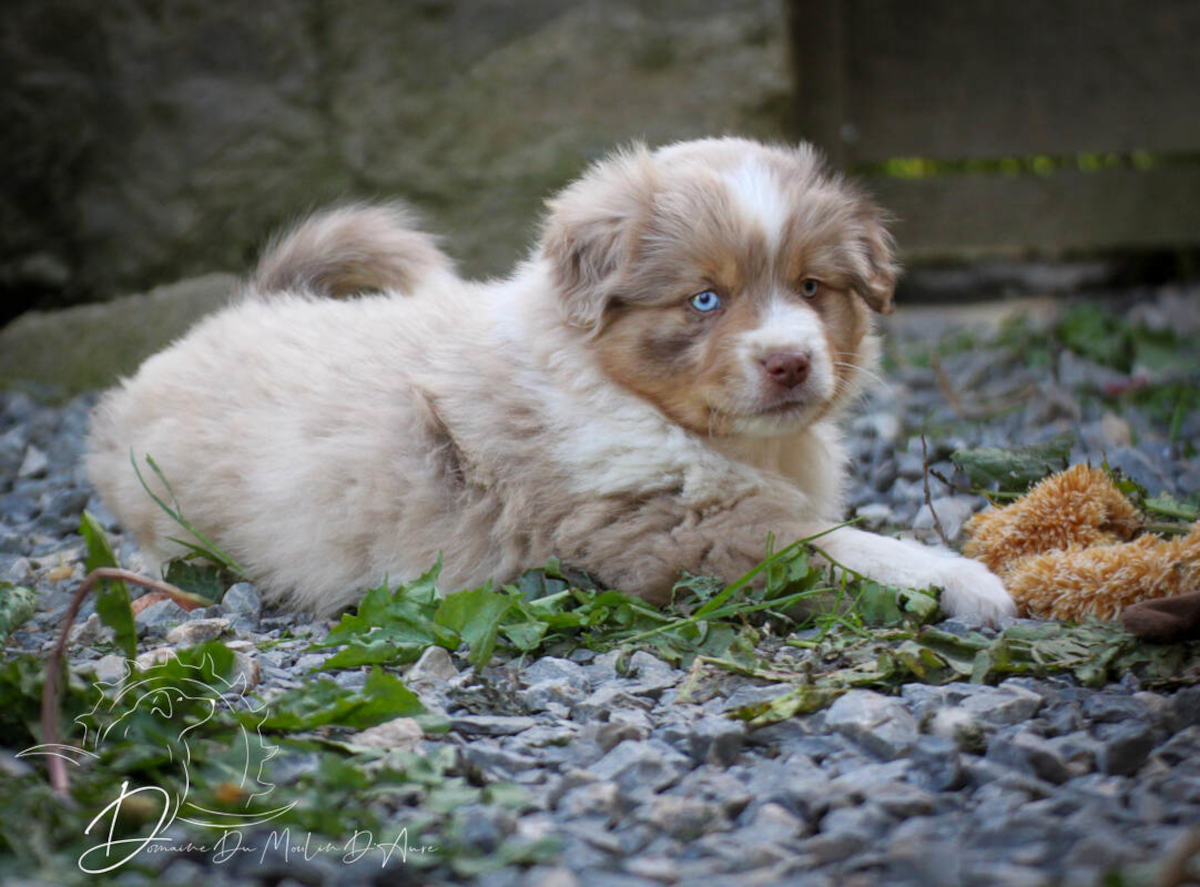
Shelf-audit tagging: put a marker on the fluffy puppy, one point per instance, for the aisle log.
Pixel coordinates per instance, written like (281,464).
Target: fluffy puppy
(655,389)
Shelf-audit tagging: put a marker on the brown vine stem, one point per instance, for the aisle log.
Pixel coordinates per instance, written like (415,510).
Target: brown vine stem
(937,523)
(51,689)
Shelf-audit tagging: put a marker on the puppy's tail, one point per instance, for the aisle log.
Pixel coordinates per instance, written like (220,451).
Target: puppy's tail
(354,249)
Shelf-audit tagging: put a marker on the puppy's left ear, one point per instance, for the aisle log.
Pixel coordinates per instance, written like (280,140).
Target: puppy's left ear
(876,280)
(590,235)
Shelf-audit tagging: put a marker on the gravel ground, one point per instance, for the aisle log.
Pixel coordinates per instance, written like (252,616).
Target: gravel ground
(1026,783)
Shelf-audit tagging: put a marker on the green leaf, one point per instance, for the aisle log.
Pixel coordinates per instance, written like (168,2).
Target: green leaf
(877,605)
(1168,506)
(475,615)
(112,598)
(804,699)
(373,652)
(536,584)
(207,580)
(1090,330)
(323,702)
(526,635)
(16,608)
(391,625)
(1015,470)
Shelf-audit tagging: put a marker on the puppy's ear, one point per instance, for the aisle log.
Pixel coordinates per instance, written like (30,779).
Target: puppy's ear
(876,280)
(590,235)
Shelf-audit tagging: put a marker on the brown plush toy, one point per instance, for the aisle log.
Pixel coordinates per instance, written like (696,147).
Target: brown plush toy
(1065,550)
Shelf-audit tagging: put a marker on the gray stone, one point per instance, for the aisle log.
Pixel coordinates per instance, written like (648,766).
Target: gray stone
(1124,747)
(35,463)
(748,694)
(952,512)
(552,668)
(607,699)
(861,783)
(491,725)
(874,515)
(879,723)
(110,668)
(710,739)
(243,605)
(866,822)
(621,725)
(66,503)
(90,632)
(504,763)
(558,876)
(649,765)
(196,631)
(652,675)
(826,848)
(1079,372)
(309,662)
(156,619)
(542,735)
(1142,468)
(1030,753)
(1186,703)
(484,827)
(351,679)
(602,669)
(1078,751)
(719,740)
(719,787)
(18,508)
(1006,875)
(88,346)
(774,822)
(546,694)
(594,799)
(435,666)
(398,733)
(683,818)
(904,800)
(981,710)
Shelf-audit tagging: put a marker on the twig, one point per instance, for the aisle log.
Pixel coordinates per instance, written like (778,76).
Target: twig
(980,412)
(1172,529)
(937,523)
(51,689)
(747,670)
(1176,868)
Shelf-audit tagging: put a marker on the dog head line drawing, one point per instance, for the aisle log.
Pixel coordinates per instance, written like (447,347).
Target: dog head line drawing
(166,698)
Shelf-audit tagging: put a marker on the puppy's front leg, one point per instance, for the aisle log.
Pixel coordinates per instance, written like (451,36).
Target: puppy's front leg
(968,588)
(642,549)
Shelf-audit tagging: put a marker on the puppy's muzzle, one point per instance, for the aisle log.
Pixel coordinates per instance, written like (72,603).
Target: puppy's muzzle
(787,370)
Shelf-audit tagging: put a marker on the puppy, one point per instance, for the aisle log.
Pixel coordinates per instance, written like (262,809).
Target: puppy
(655,389)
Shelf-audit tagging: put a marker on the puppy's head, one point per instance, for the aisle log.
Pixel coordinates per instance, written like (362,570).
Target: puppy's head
(728,282)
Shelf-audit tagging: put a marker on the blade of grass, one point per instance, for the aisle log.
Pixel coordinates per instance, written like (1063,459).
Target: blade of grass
(718,599)
(206,549)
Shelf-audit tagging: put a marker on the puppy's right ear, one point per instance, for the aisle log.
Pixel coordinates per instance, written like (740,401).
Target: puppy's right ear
(590,235)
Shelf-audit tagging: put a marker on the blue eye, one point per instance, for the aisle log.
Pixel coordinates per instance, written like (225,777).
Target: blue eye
(706,301)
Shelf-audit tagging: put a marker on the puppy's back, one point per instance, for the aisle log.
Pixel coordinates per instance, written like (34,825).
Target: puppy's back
(351,250)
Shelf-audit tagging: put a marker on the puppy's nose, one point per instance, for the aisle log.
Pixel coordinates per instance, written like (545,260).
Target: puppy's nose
(788,370)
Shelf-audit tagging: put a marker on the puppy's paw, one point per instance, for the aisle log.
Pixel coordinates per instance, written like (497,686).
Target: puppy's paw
(972,591)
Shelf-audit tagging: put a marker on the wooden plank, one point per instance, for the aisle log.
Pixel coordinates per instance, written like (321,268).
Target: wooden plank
(966,216)
(953,79)
(818,68)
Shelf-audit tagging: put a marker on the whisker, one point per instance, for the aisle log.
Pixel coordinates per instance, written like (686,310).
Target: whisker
(871,374)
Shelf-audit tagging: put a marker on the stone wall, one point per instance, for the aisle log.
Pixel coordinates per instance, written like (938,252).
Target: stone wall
(149,140)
